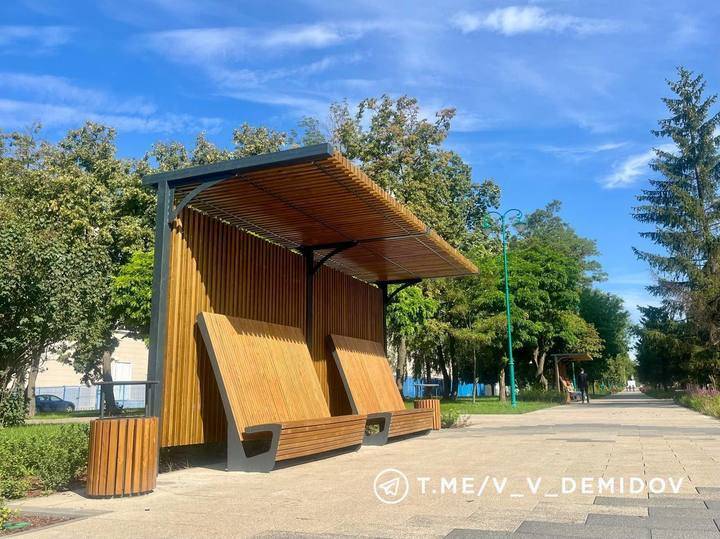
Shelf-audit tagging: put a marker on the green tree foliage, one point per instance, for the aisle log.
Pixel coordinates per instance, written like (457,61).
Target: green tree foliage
(683,206)
(404,153)
(132,293)
(606,312)
(663,348)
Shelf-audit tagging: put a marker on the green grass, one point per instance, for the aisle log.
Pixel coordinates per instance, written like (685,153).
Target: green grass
(489,405)
(661,393)
(83,413)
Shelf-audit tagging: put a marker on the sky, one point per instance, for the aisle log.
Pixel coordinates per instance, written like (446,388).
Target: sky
(554,99)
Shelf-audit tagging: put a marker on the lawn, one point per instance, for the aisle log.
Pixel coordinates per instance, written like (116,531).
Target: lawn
(490,405)
(84,413)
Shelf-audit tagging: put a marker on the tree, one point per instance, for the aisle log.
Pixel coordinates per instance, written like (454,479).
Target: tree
(406,317)
(663,348)
(404,154)
(547,226)
(606,312)
(683,206)
(54,252)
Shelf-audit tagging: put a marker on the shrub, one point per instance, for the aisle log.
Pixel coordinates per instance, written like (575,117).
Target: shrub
(541,395)
(49,456)
(705,401)
(13,408)
(452,418)
(5,513)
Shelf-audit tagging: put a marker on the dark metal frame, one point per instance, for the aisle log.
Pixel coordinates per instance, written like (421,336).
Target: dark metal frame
(148,390)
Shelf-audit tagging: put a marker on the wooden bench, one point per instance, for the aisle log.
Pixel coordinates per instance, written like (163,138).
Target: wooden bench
(272,397)
(371,388)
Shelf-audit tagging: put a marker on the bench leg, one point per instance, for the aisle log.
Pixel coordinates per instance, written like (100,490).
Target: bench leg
(381,437)
(238,461)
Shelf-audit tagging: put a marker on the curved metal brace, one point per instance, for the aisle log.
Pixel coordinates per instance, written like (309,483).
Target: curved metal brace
(191,195)
(381,437)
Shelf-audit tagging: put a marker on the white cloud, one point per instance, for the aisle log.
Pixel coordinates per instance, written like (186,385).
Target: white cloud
(59,90)
(200,45)
(17,114)
(515,20)
(632,168)
(56,102)
(41,37)
(578,153)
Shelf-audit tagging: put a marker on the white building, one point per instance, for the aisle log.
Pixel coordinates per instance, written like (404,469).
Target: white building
(129,363)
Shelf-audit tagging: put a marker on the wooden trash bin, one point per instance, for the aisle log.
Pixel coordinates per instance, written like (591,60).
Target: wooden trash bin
(435,405)
(122,459)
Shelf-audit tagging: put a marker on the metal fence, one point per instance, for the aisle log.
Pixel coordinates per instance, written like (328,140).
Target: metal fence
(88,398)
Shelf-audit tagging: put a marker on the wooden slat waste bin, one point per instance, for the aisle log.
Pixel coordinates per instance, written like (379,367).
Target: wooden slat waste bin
(434,404)
(122,458)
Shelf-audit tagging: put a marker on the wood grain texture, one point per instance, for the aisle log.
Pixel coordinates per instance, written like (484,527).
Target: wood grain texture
(215,267)
(328,201)
(371,387)
(266,371)
(122,456)
(267,376)
(370,380)
(434,405)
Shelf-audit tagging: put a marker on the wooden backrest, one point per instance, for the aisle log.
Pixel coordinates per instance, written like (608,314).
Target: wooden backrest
(366,373)
(264,371)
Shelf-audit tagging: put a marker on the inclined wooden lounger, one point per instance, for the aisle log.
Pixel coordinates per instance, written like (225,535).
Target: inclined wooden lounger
(271,394)
(371,389)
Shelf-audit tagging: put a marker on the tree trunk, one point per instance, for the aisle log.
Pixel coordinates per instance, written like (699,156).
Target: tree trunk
(475,378)
(446,380)
(501,384)
(110,404)
(455,378)
(401,368)
(539,360)
(30,389)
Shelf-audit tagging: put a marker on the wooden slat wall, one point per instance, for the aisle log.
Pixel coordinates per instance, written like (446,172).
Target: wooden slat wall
(266,371)
(368,375)
(215,267)
(346,306)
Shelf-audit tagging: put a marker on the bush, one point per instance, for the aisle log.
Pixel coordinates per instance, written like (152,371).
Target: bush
(5,513)
(705,401)
(47,456)
(541,395)
(13,408)
(452,418)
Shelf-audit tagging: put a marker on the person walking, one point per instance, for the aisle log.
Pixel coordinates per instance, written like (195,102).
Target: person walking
(583,386)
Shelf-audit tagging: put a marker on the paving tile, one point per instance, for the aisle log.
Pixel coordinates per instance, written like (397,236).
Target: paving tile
(461,533)
(683,512)
(652,522)
(580,530)
(680,534)
(650,502)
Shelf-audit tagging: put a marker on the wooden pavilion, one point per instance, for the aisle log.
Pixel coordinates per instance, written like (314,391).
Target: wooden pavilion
(300,238)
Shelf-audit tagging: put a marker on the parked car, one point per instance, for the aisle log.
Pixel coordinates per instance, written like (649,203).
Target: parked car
(51,403)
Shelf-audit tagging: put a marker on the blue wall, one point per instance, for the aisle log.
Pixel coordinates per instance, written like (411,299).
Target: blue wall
(464,390)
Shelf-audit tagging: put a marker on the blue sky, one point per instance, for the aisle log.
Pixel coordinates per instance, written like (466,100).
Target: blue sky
(555,99)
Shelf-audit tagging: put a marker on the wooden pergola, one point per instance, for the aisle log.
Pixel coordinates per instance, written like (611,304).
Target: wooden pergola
(296,242)
(311,202)
(559,358)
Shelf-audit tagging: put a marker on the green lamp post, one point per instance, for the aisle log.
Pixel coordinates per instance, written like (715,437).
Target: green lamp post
(517,221)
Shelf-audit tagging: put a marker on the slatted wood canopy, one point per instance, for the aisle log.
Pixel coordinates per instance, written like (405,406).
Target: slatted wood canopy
(314,197)
(300,238)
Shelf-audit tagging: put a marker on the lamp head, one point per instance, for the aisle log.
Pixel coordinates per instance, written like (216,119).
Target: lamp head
(520,224)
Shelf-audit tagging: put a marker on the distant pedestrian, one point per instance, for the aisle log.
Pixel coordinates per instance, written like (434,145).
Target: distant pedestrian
(583,386)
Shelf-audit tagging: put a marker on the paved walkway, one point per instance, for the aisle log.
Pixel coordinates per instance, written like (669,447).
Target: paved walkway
(500,475)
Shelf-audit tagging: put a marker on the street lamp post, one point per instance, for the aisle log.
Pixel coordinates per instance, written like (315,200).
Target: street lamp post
(518,222)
